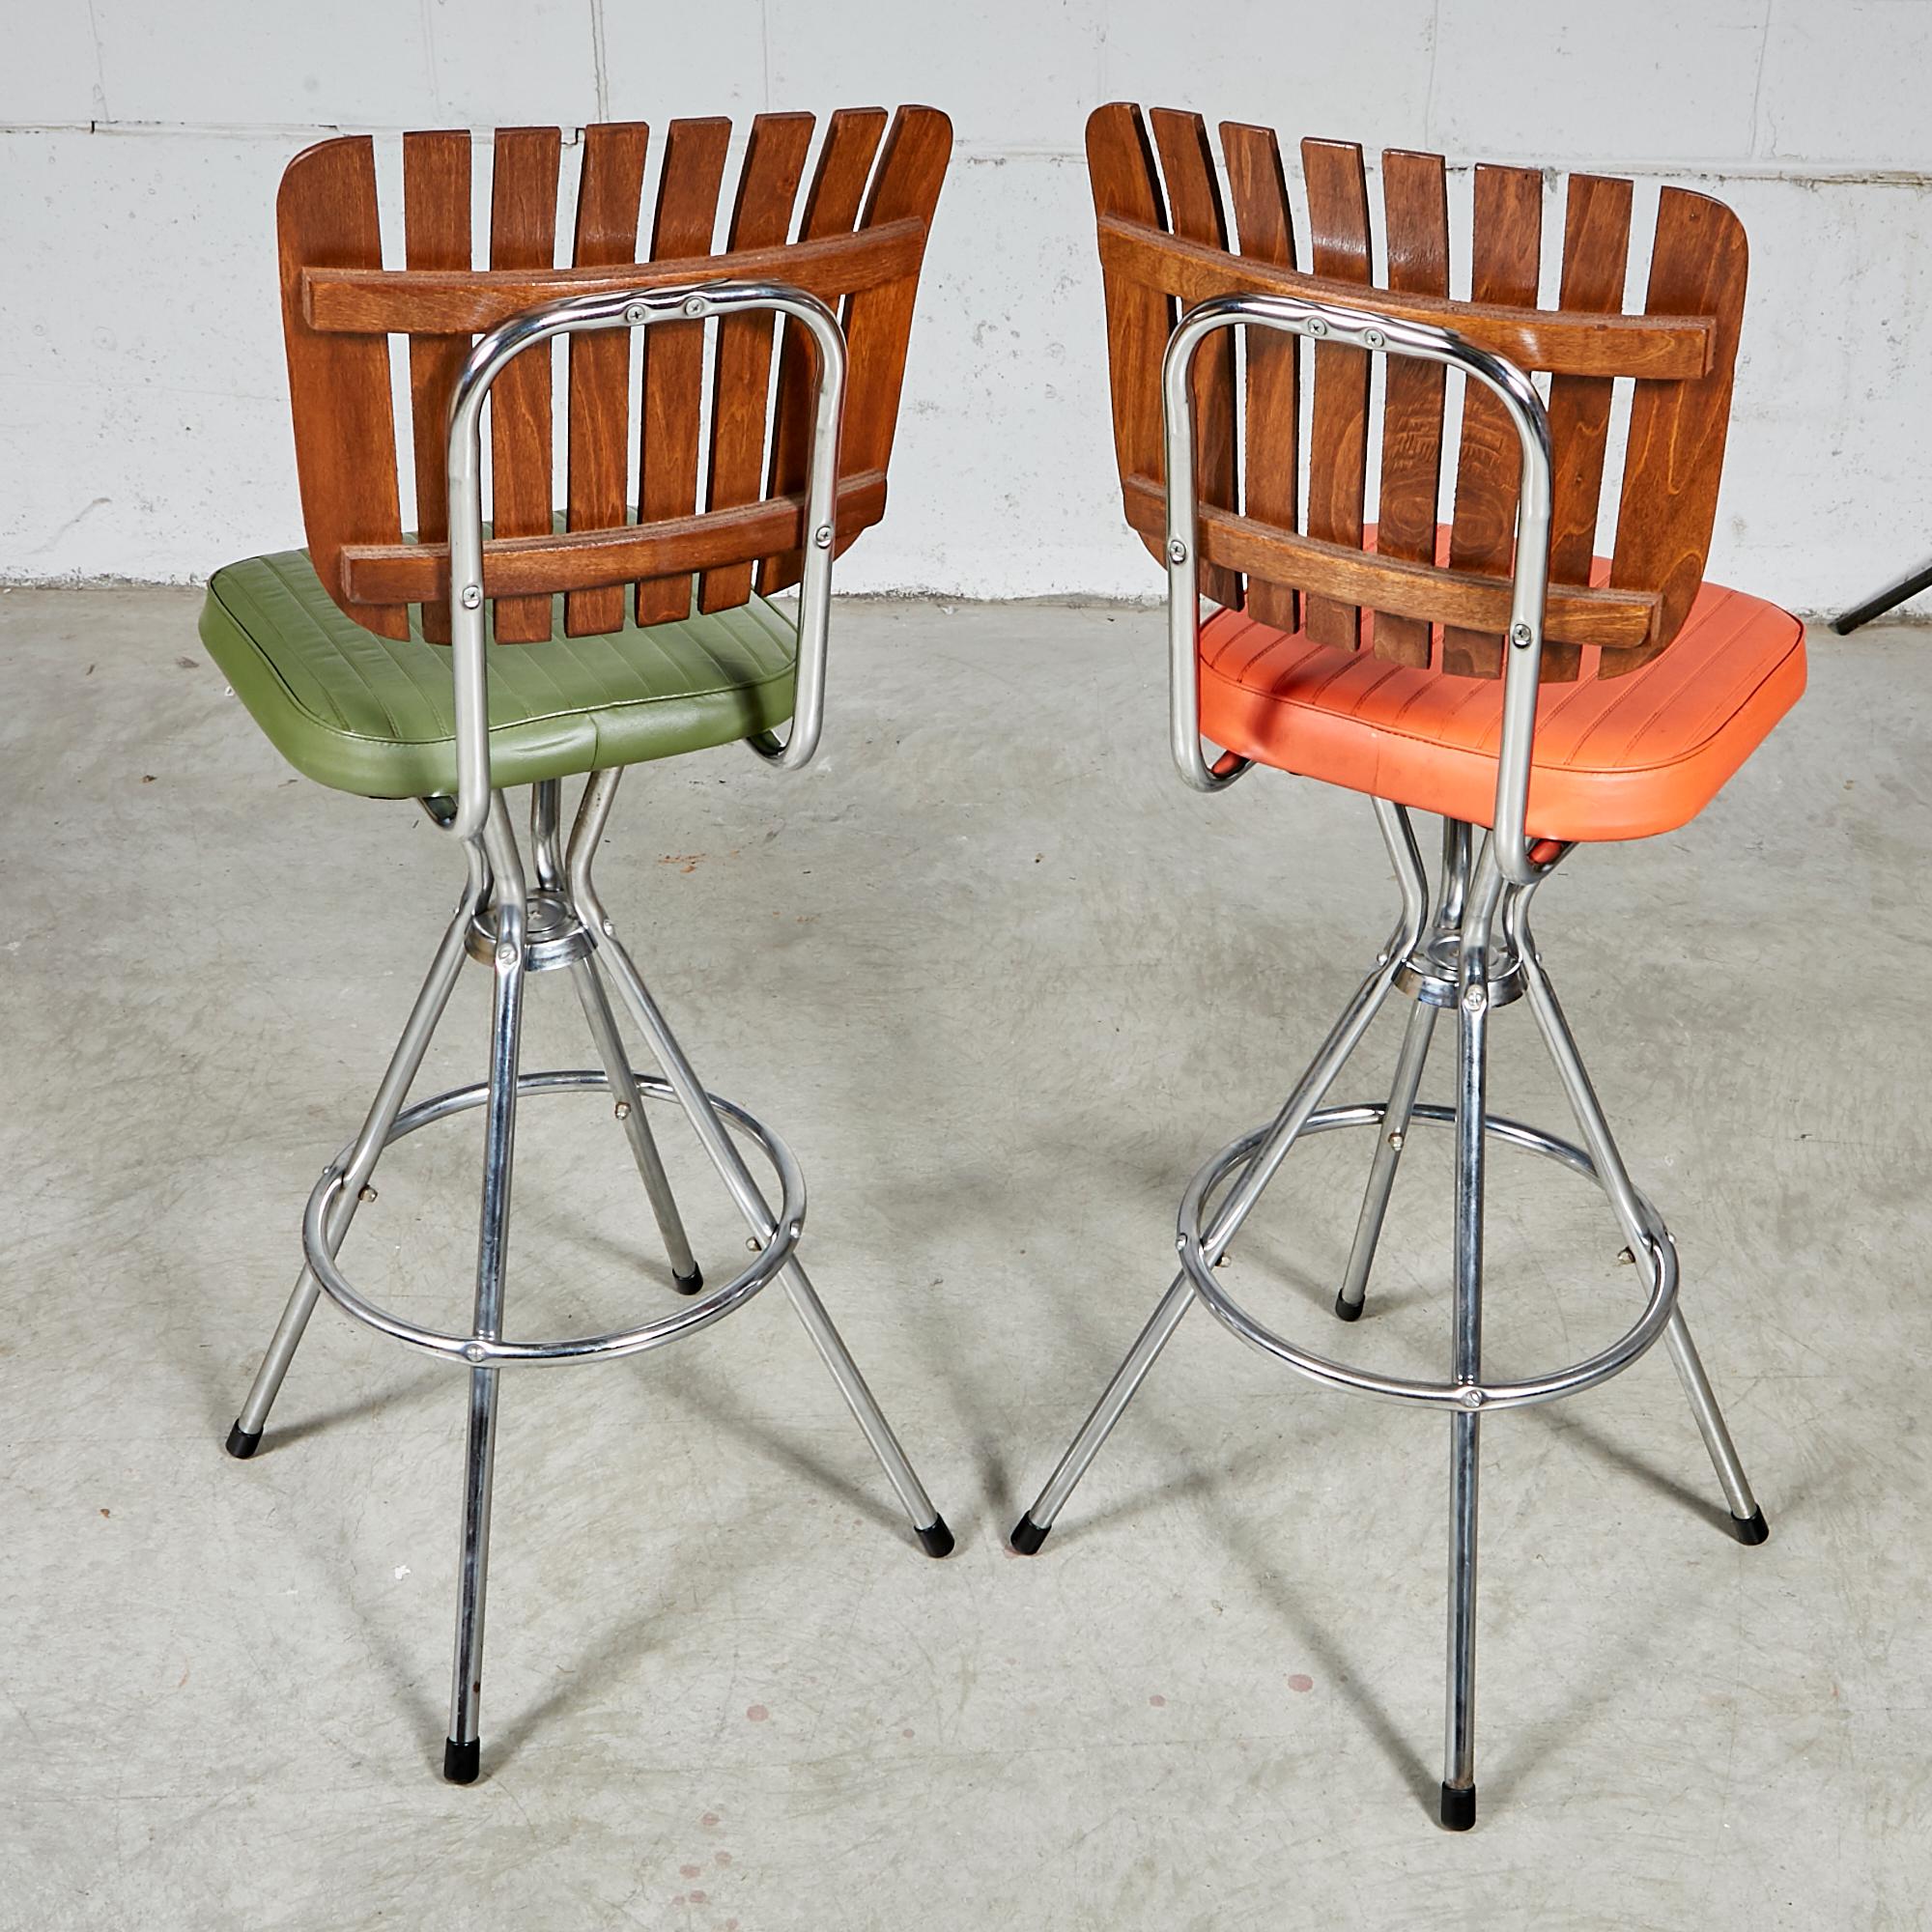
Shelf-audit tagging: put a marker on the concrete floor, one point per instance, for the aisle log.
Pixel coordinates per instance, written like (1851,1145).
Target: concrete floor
(1003,983)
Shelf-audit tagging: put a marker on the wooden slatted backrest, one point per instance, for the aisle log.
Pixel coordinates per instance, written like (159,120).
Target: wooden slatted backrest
(721,465)
(1283,531)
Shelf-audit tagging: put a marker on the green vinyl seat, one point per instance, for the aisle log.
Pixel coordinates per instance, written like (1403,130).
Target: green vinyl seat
(376,716)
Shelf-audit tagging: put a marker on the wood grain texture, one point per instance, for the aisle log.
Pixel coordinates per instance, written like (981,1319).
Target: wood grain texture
(344,424)
(1338,436)
(1195,213)
(832,205)
(1140,311)
(391,574)
(673,352)
(1675,455)
(1415,222)
(1424,592)
(742,371)
(879,321)
(523,235)
(609,196)
(1271,443)
(1506,254)
(1660,347)
(436,235)
(1595,257)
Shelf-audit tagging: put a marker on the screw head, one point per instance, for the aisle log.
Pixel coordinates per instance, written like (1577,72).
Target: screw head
(1177,550)
(1375,338)
(1624,1258)
(1521,635)
(475,1352)
(1395,1140)
(1473,1397)
(635,313)
(694,305)
(1475,999)
(753,1242)
(507,956)
(366,1194)
(1224,1260)
(623,1110)
(1317,326)
(821,537)
(472,596)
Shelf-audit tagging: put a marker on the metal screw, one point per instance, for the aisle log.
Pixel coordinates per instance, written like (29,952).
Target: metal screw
(1224,1260)
(635,313)
(1521,635)
(1177,550)
(1395,1140)
(1180,1244)
(367,1193)
(472,596)
(1473,1397)
(1374,337)
(475,1352)
(822,536)
(610,930)
(507,956)
(694,305)
(1317,326)
(1624,1258)
(754,1244)
(1475,999)
(623,1110)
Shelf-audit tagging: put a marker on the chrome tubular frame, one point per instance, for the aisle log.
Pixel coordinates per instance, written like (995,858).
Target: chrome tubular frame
(1474,953)
(518,929)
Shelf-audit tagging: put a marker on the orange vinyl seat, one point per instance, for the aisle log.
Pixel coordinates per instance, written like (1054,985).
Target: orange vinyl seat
(1619,758)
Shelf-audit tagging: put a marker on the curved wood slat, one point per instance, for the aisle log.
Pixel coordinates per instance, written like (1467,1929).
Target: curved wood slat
(832,206)
(1421,592)
(1675,455)
(382,575)
(436,228)
(1338,436)
(609,196)
(1194,212)
(1270,480)
(1661,346)
(1140,314)
(878,319)
(673,352)
(338,387)
(1507,255)
(1415,221)
(523,235)
(1595,255)
(741,379)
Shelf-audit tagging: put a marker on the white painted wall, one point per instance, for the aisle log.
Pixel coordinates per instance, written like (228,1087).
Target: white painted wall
(143,426)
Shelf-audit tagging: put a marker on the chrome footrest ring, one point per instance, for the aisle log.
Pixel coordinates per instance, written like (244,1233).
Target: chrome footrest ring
(475,1351)
(1660,1256)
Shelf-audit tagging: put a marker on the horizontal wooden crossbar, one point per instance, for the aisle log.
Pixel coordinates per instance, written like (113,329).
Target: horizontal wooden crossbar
(464,301)
(1618,620)
(393,573)
(1560,341)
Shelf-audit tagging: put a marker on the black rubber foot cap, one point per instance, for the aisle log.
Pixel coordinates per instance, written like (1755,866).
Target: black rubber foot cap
(937,1538)
(1459,1808)
(1028,1536)
(461,1762)
(242,1443)
(688,1284)
(1751,1528)
(1347,1310)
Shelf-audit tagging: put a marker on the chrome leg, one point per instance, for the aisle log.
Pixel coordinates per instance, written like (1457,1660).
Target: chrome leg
(629,1110)
(1408,1065)
(462,1750)
(1459,1774)
(593,814)
(245,1436)
(1030,1532)
(1747,1521)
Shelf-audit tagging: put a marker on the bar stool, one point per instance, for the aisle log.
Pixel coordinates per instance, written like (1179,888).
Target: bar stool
(366,658)
(1496,671)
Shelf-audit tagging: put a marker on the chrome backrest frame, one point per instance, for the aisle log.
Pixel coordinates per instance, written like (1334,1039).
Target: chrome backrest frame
(1385,335)
(634,308)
